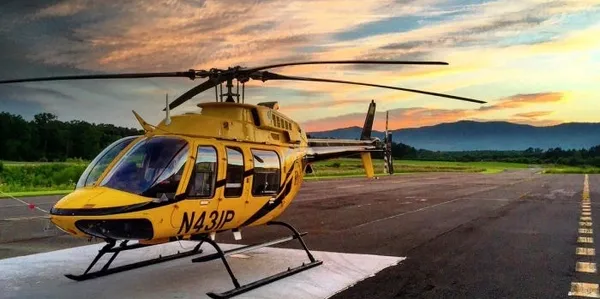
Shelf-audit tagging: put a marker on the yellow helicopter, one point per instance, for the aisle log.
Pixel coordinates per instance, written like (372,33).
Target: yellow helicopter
(230,166)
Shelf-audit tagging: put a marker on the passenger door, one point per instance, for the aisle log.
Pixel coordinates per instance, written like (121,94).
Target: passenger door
(263,185)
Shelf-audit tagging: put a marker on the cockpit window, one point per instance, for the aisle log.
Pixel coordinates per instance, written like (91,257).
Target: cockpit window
(152,168)
(99,164)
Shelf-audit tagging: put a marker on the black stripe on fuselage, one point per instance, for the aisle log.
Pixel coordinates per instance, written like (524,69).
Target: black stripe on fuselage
(269,206)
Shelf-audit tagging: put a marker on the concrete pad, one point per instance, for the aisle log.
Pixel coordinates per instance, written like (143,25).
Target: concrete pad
(41,275)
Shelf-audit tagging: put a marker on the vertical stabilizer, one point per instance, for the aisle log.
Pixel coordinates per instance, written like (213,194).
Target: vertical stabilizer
(368,127)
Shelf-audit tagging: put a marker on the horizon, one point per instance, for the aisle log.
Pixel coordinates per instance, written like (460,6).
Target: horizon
(512,54)
(458,121)
(137,126)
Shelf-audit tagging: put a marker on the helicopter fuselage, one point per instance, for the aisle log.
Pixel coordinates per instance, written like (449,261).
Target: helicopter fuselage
(231,166)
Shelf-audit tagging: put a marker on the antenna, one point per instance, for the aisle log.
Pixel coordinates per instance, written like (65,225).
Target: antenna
(168,117)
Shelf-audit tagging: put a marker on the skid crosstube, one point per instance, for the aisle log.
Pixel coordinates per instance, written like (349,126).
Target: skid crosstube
(238,289)
(111,248)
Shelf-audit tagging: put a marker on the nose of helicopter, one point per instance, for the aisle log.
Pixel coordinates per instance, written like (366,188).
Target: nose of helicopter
(92,211)
(98,197)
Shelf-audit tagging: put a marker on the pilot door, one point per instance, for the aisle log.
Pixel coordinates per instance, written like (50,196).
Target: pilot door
(198,212)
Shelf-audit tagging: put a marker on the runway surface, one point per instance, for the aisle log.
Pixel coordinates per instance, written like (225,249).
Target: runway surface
(510,235)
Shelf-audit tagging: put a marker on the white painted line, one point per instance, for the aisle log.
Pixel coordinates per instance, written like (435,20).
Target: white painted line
(588,240)
(41,275)
(406,213)
(350,186)
(586,231)
(23,202)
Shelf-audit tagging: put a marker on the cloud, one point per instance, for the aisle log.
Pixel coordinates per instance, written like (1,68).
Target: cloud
(534,114)
(496,49)
(520,100)
(398,118)
(421,116)
(62,9)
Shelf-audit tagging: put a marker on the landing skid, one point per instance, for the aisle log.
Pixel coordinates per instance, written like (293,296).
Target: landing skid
(112,248)
(239,289)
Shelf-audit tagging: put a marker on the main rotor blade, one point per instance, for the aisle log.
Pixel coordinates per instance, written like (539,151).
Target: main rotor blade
(264,76)
(260,68)
(189,74)
(206,85)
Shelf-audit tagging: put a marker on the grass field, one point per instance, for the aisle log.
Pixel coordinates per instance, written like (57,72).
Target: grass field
(347,167)
(558,169)
(38,178)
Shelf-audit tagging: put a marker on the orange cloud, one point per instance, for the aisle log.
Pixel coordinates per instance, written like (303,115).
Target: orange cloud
(419,116)
(534,114)
(521,100)
(535,122)
(398,118)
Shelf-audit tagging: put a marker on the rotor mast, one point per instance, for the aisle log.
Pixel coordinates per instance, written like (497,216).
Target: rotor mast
(229,94)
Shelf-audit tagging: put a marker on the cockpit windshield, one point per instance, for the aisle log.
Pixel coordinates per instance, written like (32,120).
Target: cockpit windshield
(99,164)
(153,168)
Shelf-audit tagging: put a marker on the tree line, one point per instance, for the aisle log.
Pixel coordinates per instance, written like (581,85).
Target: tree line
(573,157)
(45,138)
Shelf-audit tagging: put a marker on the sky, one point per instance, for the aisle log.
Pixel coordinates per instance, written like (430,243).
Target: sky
(534,62)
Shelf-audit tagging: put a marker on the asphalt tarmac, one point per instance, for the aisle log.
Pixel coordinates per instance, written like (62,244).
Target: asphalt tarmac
(508,235)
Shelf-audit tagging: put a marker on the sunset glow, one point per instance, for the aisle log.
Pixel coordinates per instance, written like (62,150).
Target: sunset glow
(534,62)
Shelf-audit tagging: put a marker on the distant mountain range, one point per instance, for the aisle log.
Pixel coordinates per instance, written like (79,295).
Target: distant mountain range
(472,135)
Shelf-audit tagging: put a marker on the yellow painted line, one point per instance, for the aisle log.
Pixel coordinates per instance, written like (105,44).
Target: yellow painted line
(586,213)
(586,218)
(585,251)
(586,189)
(582,289)
(586,231)
(585,267)
(586,209)
(585,223)
(589,240)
